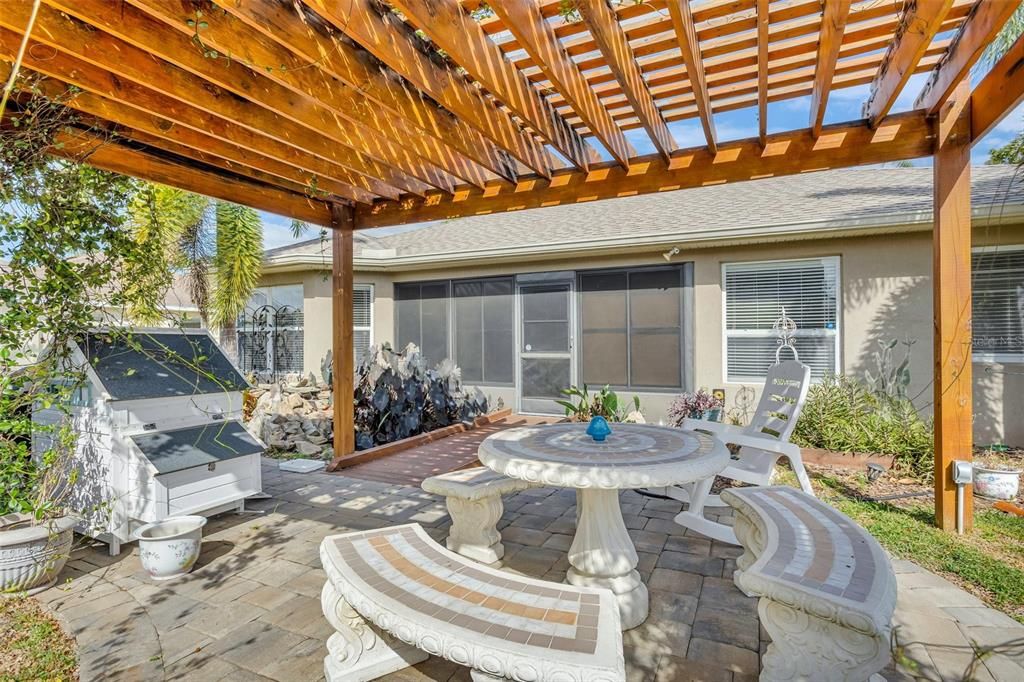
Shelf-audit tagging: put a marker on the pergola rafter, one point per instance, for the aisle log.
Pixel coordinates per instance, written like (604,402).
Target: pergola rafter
(370,113)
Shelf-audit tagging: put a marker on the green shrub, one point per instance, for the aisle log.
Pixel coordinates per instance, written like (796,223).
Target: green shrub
(842,414)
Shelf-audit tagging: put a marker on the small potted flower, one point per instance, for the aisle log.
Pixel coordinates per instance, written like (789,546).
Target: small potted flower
(698,405)
(997,474)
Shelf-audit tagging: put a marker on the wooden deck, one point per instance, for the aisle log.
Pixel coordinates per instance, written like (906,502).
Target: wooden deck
(455,452)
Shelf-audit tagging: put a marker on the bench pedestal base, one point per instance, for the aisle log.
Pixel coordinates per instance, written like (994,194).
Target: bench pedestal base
(474,533)
(357,651)
(805,647)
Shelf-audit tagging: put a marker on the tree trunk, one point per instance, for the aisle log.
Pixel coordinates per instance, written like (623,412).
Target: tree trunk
(229,340)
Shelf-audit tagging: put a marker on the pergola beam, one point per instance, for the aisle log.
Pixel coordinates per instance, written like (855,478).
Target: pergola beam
(902,136)
(999,92)
(128,41)
(951,299)
(919,23)
(337,56)
(830,40)
(689,45)
(384,35)
(535,34)
(454,31)
(122,101)
(762,70)
(101,153)
(306,92)
(611,41)
(975,35)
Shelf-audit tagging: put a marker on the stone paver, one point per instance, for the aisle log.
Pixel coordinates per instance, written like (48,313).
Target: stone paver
(250,610)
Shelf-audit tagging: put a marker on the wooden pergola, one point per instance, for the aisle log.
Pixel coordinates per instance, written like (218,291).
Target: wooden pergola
(367,113)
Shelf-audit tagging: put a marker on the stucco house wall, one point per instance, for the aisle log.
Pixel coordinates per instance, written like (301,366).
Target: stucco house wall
(884,252)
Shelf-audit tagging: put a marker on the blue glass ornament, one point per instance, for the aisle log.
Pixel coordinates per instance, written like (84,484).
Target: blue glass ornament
(599,429)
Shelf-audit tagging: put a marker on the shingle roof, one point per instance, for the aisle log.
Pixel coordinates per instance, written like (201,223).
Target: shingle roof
(820,199)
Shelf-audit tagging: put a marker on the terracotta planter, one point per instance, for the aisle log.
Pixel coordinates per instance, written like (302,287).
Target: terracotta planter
(32,556)
(996,484)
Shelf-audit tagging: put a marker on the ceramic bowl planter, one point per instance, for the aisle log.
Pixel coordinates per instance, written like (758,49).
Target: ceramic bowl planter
(32,555)
(168,549)
(996,484)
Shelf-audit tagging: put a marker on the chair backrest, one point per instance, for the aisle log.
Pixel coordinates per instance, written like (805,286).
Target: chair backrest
(783,396)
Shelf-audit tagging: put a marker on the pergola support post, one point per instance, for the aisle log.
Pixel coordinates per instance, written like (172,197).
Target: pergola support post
(951,276)
(343,357)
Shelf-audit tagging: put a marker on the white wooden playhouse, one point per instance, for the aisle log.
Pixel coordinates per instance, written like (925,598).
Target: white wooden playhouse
(159,431)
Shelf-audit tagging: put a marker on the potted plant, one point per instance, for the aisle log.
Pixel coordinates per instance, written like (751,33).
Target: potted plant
(698,405)
(604,403)
(36,532)
(997,475)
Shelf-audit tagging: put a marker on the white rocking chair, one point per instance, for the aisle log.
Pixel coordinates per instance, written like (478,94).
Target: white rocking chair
(761,443)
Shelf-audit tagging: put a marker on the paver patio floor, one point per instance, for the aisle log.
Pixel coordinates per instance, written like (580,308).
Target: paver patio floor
(251,608)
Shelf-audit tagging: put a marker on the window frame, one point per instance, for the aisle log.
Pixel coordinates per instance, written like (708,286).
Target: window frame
(366,286)
(453,344)
(988,356)
(449,315)
(755,333)
(686,326)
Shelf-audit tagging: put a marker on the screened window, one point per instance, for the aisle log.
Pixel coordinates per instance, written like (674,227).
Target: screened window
(421,314)
(485,330)
(997,282)
(632,327)
(756,293)
(362,320)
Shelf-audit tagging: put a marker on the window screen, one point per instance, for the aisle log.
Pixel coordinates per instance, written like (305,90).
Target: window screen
(631,324)
(485,330)
(362,320)
(756,293)
(421,313)
(997,282)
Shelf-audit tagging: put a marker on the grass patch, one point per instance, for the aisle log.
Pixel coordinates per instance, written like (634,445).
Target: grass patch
(32,644)
(988,563)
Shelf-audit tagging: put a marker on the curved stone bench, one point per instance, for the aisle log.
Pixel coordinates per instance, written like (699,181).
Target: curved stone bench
(394,596)
(827,588)
(474,502)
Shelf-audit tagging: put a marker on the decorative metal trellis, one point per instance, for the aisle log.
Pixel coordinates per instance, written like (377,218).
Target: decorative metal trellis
(270,342)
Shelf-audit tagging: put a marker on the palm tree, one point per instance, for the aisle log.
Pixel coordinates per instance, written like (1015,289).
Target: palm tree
(216,244)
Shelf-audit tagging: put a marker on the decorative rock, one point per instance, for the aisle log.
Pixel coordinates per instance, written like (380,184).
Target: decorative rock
(304,447)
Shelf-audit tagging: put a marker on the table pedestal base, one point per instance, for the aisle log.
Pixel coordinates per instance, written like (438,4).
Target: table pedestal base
(602,554)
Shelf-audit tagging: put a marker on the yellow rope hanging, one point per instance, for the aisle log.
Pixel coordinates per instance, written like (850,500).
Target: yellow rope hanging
(17,61)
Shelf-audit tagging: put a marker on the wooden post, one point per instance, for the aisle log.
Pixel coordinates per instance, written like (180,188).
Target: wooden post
(951,280)
(343,368)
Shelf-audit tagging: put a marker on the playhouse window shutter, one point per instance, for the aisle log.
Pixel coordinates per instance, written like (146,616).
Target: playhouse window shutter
(362,320)
(997,283)
(755,294)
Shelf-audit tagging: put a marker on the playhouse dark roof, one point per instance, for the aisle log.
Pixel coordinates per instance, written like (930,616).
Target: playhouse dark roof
(159,364)
(180,449)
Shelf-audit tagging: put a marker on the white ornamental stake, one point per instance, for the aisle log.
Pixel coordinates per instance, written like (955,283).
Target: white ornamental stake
(785,329)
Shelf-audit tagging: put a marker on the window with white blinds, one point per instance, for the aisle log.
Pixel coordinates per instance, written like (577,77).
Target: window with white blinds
(997,281)
(362,320)
(756,293)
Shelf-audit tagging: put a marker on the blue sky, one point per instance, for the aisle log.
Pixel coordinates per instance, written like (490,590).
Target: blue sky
(843,105)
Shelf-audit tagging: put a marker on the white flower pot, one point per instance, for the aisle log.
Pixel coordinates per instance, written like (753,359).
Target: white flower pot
(996,484)
(168,549)
(32,556)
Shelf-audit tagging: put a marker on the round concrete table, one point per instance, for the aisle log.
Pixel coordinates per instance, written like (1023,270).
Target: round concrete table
(633,456)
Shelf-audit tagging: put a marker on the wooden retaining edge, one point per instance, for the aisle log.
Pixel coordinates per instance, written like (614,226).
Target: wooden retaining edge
(851,460)
(375,453)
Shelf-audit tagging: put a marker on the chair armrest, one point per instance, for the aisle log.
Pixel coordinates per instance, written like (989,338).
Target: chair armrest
(735,435)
